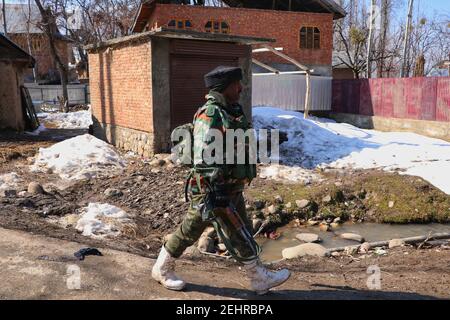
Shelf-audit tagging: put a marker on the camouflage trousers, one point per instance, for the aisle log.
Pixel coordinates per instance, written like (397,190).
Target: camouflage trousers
(193,226)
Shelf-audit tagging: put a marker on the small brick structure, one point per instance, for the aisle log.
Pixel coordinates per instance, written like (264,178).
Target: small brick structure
(14,63)
(284,26)
(144,85)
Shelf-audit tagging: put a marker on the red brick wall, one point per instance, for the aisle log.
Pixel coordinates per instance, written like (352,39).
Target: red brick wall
(121,83)
(283,26)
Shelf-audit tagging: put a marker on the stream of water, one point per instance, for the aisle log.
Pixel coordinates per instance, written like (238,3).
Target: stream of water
(370,231)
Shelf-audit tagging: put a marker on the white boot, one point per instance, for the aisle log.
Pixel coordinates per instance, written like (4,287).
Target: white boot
(262,280)
(164,271)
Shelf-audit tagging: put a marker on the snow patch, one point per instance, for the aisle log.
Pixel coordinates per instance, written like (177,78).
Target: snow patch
(9,181)
(71,120)
(78,158)
(99,220)
(290,174)
(36,132)
(323,143)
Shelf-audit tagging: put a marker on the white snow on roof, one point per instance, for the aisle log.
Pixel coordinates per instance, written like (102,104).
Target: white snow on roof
(17,17)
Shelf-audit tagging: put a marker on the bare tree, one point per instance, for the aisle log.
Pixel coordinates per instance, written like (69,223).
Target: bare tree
(49,26)
(4,17)
(407,39)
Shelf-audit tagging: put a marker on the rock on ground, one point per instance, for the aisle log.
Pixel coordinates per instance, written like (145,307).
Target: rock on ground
(352,236)
(394,243)
(307,249)
(308,237)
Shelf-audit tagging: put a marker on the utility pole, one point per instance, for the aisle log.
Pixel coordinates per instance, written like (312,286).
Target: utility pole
(407,35)
(4,18)
(369,44)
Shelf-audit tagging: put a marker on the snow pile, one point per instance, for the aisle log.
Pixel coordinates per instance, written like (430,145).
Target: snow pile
(287,173)
(100,219)
(324,143)
(36,132)
(70,120)
(81,157)
(9,181)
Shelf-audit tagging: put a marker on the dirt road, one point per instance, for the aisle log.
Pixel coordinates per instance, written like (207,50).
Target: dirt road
(118,275)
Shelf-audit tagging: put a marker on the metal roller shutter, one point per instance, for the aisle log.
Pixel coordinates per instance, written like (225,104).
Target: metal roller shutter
(189,62)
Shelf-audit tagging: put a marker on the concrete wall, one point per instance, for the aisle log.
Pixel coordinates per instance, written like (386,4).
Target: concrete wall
(161,93)
(434,129)
(11,115)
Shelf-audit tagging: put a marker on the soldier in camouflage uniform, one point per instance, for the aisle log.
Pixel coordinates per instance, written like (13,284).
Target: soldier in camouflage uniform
(223,180)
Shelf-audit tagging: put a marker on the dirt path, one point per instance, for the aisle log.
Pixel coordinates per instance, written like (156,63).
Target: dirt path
(119,275)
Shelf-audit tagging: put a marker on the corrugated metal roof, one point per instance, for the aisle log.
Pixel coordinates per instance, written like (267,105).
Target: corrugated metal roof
(17,17)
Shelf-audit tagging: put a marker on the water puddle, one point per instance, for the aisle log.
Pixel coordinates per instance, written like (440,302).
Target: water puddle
(370,231)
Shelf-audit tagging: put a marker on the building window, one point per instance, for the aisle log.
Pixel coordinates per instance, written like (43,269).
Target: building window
(309,38)
(36,45)
(216,26)
(180,24)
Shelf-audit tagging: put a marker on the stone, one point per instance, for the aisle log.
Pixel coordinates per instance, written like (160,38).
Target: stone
(350,251)
(35,188)
(324,227)
(391,204)
(8,193)
(327,199)
(110,192)
(272,209)
(301,204)
(352,237)
(313,223)
(256,224)
(394,243)
(206,244)
(308,237)
(364,248)
(334,225)
(278,199)
(380,251)
(335,254)
(22,194)
(259,204)
(288,205)
(306,249)
(337,220)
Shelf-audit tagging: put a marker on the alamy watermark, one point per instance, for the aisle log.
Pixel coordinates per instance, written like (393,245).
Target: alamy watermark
(240,146)
(73,280)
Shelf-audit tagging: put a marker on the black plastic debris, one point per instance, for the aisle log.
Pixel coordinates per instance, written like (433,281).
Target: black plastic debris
(81,254)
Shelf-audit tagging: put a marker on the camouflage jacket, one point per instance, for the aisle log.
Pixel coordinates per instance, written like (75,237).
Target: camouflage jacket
(217,114)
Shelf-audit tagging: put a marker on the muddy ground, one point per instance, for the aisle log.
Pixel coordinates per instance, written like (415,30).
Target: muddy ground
(154,196)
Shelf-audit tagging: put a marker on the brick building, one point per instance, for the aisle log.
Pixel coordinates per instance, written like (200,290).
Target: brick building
(14,63)
(31,38)
(304,29)
(144,85)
